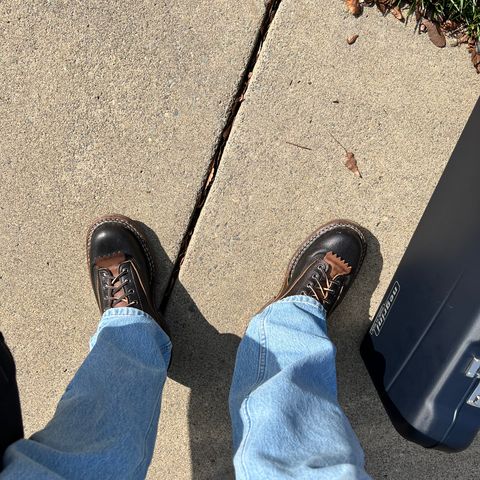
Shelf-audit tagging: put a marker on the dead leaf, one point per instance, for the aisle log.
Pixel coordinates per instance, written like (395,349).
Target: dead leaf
(226,132)
(397,13)
(352,39)
(434,33)
(351,164)
(382,7)
(450,25)
(463,39)
(354,7)
(418,14)
(476,60)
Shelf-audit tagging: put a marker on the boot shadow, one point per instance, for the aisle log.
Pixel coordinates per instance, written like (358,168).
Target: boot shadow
(202,360)
(348,325)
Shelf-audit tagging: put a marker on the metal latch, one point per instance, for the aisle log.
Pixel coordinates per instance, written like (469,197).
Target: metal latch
(473,371)
(474,399)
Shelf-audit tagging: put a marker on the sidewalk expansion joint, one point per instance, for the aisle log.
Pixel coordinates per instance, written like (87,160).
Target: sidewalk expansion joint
(271,8)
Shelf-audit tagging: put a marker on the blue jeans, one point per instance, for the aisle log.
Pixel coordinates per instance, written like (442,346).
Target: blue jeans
(283,403)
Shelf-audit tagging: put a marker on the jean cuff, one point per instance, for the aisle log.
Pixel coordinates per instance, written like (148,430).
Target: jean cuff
(121,316)
(126,312)
(304,299)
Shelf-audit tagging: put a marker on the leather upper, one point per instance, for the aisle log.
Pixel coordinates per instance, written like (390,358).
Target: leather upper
(345,239)
(326,264)
(121,266)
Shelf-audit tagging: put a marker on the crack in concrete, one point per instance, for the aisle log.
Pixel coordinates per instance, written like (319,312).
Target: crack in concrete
(270,11)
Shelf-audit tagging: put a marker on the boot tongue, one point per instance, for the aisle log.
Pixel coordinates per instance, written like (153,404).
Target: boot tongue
(338,266)
(112,264)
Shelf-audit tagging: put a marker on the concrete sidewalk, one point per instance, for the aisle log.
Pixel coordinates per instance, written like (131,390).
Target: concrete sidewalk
(106,109)
(399,104)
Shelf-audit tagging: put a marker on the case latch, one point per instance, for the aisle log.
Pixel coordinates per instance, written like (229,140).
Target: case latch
(473,371)
(474,399)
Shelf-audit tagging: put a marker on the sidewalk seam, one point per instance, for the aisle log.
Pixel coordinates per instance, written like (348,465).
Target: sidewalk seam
(271,8)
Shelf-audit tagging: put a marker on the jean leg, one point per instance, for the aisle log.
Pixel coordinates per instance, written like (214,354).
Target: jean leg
(106,422)
(11,426)
(286,419)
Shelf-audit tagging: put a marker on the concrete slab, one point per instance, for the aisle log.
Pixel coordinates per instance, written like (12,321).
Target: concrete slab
(104,107)
(399,104)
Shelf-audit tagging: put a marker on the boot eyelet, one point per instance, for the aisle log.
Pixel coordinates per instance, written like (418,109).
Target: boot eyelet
(130,291)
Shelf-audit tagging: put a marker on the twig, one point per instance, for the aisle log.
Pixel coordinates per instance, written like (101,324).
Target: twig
(299,146)
(346,151)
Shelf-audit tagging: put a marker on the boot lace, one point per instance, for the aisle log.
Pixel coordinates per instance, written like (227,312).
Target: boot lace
(321,286)
(114,284)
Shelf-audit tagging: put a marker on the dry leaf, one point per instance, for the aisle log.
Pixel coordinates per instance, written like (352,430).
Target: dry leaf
(434,33)
(351,164)
(476,60)
(418,14)
(382,7)
(450,25)
(351,40)
(397,13)
(354,7)
(463,39)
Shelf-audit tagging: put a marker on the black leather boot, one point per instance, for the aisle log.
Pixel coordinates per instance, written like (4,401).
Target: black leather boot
(326,264)
(121,266)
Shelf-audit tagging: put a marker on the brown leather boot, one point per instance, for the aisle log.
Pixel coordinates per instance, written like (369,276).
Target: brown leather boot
(121,266)
(326,264)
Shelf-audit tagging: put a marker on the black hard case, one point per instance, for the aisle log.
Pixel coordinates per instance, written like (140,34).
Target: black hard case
(422,346)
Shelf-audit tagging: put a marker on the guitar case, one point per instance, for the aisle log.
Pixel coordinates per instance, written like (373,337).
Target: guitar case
(422,349)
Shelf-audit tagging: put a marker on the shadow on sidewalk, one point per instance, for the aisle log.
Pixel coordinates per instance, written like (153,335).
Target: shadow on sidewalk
(203,360)
(348,326)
